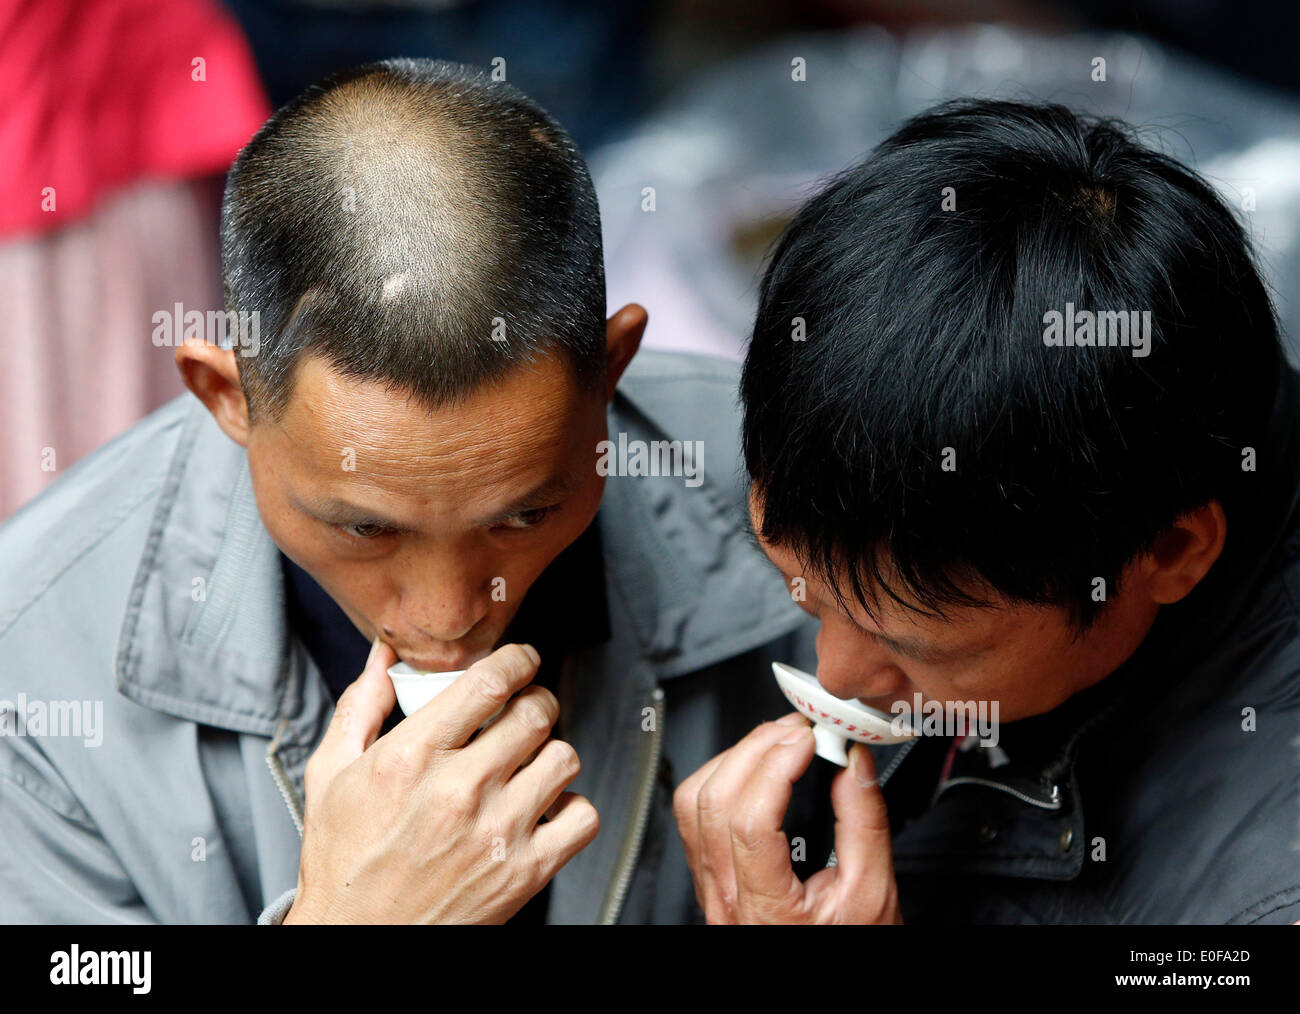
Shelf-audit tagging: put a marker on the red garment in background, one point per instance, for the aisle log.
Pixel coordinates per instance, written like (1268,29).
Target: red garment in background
(95,94)
(102,100)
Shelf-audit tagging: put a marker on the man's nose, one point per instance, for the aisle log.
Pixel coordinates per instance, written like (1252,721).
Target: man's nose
(849,664)
(447,605)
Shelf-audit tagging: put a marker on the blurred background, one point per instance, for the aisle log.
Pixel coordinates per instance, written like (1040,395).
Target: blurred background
(706,123)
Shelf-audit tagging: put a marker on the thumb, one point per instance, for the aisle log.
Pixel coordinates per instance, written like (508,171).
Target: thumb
(862,844)
(372,698)
(359,714)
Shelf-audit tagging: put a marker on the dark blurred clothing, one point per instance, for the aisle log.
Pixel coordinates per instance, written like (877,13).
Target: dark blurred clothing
(584,63)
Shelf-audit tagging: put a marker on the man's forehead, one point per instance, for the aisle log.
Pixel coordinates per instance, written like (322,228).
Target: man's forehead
(349,450)
(530,405)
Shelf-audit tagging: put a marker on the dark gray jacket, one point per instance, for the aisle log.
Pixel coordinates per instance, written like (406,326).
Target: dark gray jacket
(144,585)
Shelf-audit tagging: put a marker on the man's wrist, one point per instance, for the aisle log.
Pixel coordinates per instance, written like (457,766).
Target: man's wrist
(299,913)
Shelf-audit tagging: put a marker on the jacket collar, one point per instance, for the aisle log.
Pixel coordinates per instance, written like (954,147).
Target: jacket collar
(205,635)
(696,588)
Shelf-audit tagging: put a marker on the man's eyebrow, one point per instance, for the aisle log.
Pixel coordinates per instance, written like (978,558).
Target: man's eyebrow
(545,495)
(907,646)
(341,512)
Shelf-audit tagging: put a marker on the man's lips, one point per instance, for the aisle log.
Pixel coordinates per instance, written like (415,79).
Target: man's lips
(446,663)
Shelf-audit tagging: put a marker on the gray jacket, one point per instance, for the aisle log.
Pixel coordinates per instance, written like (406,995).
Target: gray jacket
(142,613)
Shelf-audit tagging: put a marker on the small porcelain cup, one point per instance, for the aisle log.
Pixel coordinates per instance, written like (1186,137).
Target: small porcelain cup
(836,721)
(416,688)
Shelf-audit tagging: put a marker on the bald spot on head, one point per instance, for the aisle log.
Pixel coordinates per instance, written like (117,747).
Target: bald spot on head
(416,223)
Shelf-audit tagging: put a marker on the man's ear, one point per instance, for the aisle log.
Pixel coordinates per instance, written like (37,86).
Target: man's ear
(623,333)
(1184,554)
(212,374)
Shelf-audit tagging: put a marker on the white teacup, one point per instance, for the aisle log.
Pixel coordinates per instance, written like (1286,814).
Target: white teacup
(837,720)
(416,688)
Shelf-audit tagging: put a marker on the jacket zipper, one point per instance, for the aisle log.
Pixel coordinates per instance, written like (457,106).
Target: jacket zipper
(281,776)
(1053,804)
(898,759)
(631,850)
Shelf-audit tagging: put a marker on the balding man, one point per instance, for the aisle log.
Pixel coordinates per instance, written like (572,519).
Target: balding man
(401,452)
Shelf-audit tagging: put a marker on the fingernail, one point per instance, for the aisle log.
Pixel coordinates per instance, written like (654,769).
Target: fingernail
(795,719)
(795,737)
(374,649)
(531,652)
(865,783)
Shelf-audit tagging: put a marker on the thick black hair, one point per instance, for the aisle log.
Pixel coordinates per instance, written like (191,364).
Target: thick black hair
(923,313)
(413,222)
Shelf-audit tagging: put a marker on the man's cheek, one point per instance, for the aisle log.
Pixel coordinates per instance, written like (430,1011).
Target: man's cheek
(359,596)
(512,579)
(304,542)
(946,684)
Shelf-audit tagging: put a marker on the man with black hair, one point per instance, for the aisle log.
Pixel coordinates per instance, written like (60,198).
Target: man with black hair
(1021,433)
(396,453)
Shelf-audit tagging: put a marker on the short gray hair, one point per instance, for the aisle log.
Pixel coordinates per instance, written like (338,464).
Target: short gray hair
(414,222)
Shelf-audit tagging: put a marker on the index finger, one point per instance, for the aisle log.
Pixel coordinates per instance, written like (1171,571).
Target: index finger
(450,719)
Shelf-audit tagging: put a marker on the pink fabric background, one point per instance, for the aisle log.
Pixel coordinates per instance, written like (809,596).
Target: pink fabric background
(98,102)
(80,366)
